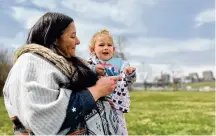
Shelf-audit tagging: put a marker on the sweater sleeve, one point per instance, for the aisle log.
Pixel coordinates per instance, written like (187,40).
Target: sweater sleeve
(36,97)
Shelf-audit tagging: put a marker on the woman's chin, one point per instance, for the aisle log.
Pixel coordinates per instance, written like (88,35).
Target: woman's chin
(72,54)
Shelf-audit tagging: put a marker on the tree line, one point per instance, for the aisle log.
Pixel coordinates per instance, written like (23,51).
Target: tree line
(5,66)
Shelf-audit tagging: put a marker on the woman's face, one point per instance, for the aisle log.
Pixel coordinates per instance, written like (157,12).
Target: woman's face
(68,41)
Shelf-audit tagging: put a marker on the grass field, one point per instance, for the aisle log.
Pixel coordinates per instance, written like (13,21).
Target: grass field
(160,113)
(5,123)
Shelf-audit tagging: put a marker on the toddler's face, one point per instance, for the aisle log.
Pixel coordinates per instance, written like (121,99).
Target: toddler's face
(104,48)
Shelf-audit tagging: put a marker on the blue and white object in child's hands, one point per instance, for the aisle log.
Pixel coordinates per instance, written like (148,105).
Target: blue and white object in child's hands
(110,71)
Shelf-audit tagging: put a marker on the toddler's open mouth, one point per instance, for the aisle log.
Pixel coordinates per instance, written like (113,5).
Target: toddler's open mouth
(105,53)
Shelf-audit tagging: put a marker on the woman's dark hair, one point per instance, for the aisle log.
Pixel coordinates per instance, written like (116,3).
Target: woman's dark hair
(48,28)
(86,77)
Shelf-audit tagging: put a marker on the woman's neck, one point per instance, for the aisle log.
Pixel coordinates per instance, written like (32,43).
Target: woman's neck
(58,51)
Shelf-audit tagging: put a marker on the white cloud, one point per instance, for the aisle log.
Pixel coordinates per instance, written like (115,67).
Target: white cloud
(152,47)
(20,1)
(128,14)
(119,11)
(50,4)
(207,16)
(26,16)
(16,41)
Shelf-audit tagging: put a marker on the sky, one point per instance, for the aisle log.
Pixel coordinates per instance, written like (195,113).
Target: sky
(160,36)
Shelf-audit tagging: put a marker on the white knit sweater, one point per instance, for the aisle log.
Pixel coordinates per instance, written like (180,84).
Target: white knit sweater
(31,95)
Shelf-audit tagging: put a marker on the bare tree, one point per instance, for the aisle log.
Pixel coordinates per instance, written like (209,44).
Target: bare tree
(176,74)
(5,66)
(119,52)
(146,74)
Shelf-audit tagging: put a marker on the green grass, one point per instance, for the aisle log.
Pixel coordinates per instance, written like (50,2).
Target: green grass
(159,113)
(163,113)
(5,123)
(202,84)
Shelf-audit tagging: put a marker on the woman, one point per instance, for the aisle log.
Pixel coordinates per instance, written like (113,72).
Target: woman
(51,91)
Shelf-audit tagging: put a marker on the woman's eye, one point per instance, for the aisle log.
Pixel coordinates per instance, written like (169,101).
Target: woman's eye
(73,36)
(101,44)
(109,44)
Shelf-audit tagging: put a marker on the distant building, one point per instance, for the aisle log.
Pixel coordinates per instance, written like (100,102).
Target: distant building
(158,82)
(208,76)
(187,80)
(194,77)
(165,78)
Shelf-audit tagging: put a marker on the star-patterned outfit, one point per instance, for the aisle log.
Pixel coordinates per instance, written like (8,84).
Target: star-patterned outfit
(120,95)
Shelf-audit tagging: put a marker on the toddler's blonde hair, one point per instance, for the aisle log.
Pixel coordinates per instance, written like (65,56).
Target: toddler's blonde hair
(99,33)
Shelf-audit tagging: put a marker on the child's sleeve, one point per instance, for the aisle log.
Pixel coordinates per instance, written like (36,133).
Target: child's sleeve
(131,78)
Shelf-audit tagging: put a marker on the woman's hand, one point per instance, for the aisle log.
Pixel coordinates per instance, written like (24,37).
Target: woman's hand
(104,86)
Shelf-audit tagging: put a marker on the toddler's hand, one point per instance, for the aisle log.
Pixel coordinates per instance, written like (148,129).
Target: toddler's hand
(99,69)
(129,70)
